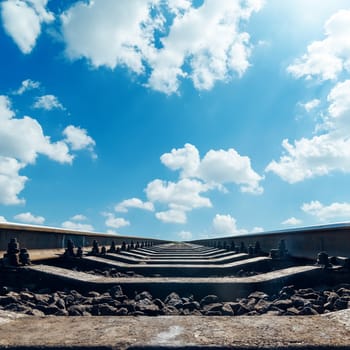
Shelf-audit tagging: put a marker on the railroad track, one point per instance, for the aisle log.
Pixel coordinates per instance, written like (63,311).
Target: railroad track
(137,294)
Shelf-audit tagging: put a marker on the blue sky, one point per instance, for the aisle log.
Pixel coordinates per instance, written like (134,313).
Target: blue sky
(176,119)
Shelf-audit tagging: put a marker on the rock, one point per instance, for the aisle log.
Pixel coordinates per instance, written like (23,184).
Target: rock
(76,310)
(308,311)
(226,310)
(15,307)
(106,310)
(116,291)
(122,312)
(312,296)
(35,312)
(171,310)
(5,300)
(343,291)
(103,299)
(212,307)
(159,303)
(147,307)
(328,307)
(172,296)
(48,310)
(331,297)
(251,303)
(258,295)
(143,295)
(174,299)
(341,303)
(286,292)
(252,313)
(291,311)
(26,296)
(209,299)
(62,313)
(283,304)
(299,301)
(262,306)
(273,313)
(93,294)
(213,313)
(60,304)
(121,298)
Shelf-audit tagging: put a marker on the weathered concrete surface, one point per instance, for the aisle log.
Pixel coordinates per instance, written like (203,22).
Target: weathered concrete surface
(226,288)
(265,332)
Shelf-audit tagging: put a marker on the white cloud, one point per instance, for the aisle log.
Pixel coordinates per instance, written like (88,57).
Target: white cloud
(78,217)
(114,222)
(217,167)
(78,139)
(22,20)
(109,33)
(230,167)
(24,139)
(310,105)
(202,43)
(2,219)
(185,159)
(184,193)
(225,225)
(175,216)
(257,229)
(26,85)
(327,58)
(11,183)
(324,153)
(29,218)
(292,221)
(209,41)
(48,102)
(73,225)
(185,235)
(133,203)
(325,212)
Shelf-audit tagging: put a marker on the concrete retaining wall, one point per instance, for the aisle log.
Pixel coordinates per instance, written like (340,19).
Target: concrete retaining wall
(301,243)
(46,238)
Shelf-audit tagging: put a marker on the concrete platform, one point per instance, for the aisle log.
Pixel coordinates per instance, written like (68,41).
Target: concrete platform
(331,331)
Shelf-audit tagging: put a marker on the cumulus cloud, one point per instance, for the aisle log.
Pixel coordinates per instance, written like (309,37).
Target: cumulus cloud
(2,219)
(226,225)
(324,153)
(202,43)
(327,58)
(184,193)
(78,217)
(310,105)
(48,102)
(326,212)
(133,203)
(11,183)
(27,85)
(175,216)
(292,221)
(22,140)
(79,139)
(22,21)
(185,235)
(29,218)
(73,225)
(217,167)
(185,159)
(112,221)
